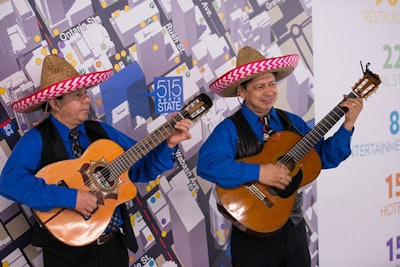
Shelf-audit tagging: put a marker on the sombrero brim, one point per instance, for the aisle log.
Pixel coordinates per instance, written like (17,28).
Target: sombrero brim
(227,84)
(34,101)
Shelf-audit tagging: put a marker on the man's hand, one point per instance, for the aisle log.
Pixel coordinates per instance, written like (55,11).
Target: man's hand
(274,175)
(182,133)
(86,203)
(355,105)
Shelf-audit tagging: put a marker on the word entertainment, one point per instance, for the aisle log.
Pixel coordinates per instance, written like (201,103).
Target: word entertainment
(372,149)
(80,28)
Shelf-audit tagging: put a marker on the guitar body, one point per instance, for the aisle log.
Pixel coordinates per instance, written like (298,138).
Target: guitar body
(70,226)
(103,171)
(261,217)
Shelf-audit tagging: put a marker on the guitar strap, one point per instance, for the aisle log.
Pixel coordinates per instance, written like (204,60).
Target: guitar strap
(287,124)
(53,150)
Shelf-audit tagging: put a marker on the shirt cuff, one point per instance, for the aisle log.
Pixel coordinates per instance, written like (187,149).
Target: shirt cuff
(344,133)
(163,150)
(252,173)
(68,196)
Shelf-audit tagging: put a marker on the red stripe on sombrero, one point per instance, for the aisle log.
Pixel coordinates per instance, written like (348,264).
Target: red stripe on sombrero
(60,88)
(252,68)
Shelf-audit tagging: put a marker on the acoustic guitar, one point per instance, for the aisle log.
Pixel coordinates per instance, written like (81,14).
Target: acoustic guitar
(260,210)
(103,171)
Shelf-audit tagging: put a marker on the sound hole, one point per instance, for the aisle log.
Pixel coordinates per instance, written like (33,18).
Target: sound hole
(290,189)
(103,177)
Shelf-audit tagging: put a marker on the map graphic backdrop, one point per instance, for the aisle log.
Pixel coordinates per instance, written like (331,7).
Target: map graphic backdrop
(162,53)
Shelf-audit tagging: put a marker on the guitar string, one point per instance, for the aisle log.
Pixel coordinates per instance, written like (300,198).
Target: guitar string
(164,132)
(133,153)
(124,157)
(320,129)
(304,145)
(169,123)
(133,150)
(361,86)
(330,119)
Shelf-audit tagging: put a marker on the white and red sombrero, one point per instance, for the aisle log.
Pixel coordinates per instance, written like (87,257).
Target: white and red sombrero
(249,64)
(58,77)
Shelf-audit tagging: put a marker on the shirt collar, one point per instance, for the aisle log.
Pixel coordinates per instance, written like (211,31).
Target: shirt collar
(63,130)
(253,117)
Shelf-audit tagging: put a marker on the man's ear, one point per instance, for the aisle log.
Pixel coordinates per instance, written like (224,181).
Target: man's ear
(54,104)
(239,91)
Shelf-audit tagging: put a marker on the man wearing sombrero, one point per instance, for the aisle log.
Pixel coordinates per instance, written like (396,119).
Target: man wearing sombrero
(243,134)
(63,96)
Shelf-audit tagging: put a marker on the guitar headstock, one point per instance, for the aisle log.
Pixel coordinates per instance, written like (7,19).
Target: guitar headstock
(367,85)
(196,107)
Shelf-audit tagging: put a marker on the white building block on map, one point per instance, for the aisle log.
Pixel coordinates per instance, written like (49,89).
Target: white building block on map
(156,202)
(164,218)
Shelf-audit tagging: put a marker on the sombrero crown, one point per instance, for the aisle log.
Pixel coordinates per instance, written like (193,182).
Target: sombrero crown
(58,77)
(249,64)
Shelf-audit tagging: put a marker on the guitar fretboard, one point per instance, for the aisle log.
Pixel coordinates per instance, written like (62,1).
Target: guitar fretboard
(192,110)
(312,138)
(363,88)
(140,149)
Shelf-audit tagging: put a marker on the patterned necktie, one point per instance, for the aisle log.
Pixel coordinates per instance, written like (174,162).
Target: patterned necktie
(113,225)
(77,150)
(267,130)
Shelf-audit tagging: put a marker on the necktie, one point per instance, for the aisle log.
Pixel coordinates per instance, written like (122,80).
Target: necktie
(267,131)
(76,147)
(113,225)
(77,150)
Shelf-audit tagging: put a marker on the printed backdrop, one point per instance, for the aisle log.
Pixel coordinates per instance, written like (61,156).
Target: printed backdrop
(163,54)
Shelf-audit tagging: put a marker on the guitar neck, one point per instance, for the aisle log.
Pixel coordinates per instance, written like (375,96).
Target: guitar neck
(127,159)
(192,110)
(312,138)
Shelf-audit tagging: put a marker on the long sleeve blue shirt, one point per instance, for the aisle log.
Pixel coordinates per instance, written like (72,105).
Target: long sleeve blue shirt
(217,164)
(18,181)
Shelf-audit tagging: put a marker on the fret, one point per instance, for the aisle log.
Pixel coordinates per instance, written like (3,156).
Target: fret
(363,88)
(192,111)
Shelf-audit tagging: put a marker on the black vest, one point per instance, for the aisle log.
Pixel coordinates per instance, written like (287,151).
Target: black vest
(248,145)
(53,150)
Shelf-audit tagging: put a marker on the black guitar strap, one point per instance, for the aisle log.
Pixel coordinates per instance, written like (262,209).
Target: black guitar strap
(287,123)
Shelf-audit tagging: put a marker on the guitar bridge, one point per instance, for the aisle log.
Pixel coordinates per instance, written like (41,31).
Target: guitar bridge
(254,190)
(267,202)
